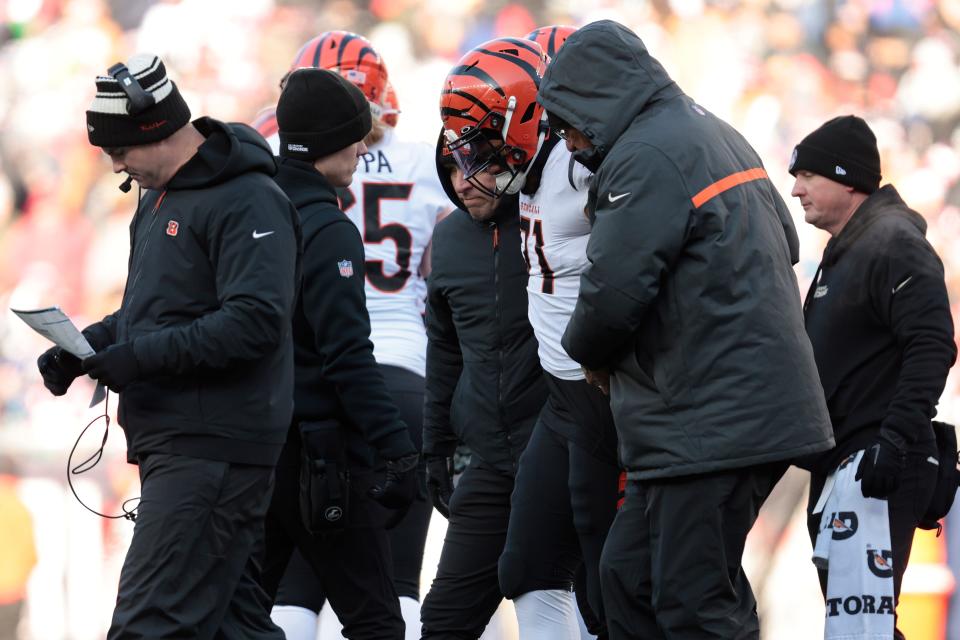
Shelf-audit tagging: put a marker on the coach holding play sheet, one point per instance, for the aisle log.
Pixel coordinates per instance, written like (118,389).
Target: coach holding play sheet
(691,303)
(200,351)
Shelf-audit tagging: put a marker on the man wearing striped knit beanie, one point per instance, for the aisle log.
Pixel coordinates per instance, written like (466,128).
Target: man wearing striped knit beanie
(136,104)
(200,352)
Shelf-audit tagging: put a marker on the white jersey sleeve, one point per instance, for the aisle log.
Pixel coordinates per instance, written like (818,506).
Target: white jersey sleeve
(554,243)
(394,200)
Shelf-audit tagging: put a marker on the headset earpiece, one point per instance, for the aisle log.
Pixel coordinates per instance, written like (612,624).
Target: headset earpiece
(138,99)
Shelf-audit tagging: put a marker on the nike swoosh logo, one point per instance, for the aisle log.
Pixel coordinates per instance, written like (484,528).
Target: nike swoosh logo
(257,236)
(901,285)
(613,198)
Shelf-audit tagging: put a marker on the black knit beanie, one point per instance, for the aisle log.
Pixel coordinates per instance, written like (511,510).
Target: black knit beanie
(320,113)
(145,108)
(844,150)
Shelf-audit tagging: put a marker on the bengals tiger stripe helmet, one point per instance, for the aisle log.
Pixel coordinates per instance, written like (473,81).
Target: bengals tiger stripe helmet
(491,119)
(391,106)
(551,38)
(353,57)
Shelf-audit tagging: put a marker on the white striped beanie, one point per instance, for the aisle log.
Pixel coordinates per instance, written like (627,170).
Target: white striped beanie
(109,121)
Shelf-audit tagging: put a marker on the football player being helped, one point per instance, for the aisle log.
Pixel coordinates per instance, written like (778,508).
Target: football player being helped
(566,485)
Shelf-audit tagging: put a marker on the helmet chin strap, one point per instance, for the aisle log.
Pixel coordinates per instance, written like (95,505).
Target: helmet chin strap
(511,183)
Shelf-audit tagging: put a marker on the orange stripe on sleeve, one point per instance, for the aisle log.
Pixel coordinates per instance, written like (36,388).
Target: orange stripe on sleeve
(729,182)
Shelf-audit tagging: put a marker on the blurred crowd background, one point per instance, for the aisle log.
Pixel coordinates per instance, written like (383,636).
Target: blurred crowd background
(775,69)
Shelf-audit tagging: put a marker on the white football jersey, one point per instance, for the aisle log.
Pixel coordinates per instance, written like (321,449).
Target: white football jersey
(555,234)
(394,200)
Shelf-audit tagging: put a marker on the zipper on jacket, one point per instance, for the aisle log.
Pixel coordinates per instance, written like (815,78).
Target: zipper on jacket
(138,265)
(496,305)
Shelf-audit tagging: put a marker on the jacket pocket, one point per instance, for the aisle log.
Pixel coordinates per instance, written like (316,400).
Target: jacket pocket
(668,362)
(639,366)
(232,397)
(661,380)
(169,396)
(652,373)
(644,364)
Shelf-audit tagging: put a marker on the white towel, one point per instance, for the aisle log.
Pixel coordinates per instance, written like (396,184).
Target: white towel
(854,543)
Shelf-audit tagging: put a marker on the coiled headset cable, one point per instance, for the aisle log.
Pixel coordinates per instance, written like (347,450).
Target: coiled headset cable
(92,461)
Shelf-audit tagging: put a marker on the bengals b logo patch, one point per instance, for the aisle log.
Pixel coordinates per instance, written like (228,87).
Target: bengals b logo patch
(172,227)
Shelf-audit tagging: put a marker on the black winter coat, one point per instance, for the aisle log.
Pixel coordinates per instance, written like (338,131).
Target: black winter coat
(879,320)
(690,298)
(336,374)
(484,384)
(207,307)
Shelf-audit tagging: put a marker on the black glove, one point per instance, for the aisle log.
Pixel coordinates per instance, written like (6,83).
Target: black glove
(116,366)
(400,486)
(881,467)
(59,369)
(440,483)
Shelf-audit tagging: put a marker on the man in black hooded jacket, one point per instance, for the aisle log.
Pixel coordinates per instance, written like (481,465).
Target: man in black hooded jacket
(690,302)
(879,320)
(339,393)
(201,353)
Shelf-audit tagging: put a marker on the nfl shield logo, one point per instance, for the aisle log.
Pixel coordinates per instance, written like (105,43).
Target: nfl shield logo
(346,268)
(355,76)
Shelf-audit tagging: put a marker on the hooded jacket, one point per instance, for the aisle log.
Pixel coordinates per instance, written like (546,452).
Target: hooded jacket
(879,320)
(690,298)
(484,384)
(337,376)
(207,306)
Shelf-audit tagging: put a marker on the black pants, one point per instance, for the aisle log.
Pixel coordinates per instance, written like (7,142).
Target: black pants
(541,550)
(354,567)
(466,591)
(191,571)
(564,500)
(671,564)
(905,508)
(302,588)
(593,484)
(409,537)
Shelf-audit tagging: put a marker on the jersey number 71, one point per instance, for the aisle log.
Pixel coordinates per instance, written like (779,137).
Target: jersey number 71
(545,271)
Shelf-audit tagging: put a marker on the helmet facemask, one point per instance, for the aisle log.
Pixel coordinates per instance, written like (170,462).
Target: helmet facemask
(481,148)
